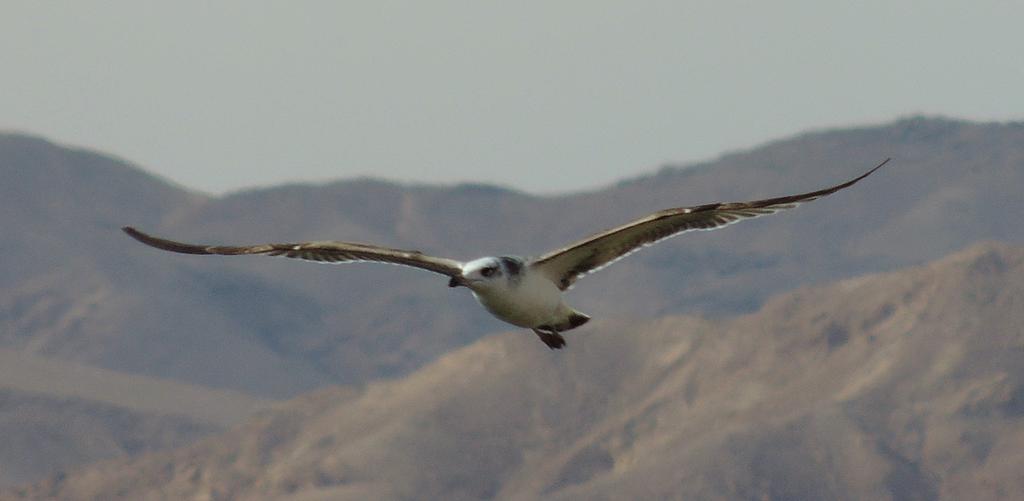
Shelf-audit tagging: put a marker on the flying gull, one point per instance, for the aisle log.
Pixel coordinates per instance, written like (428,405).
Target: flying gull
(526,292)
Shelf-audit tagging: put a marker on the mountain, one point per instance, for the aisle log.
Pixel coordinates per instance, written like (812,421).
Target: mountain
(61,379)
(73,287)
(903,385)
(45,434)
(56,415)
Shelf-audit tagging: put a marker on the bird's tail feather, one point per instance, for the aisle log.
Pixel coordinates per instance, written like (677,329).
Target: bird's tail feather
(575,320)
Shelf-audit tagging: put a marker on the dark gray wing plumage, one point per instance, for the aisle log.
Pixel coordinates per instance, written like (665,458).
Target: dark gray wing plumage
(564,266)
(324,252)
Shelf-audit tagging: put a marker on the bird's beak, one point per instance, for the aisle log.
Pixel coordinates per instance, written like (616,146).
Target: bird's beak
(456,282)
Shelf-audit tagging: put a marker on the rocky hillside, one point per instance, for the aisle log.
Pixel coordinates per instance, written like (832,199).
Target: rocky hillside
(56,415)
(73,287)
(904,385)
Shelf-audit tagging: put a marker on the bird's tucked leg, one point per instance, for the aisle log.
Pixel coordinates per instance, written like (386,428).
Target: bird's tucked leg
(552,338)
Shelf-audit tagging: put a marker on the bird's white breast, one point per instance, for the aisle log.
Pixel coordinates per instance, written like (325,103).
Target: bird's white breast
(532,301)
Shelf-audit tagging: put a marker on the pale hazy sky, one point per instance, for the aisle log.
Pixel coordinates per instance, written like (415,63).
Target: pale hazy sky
(542,96)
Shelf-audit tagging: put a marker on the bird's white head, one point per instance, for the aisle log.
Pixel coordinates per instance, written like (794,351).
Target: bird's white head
(490,273)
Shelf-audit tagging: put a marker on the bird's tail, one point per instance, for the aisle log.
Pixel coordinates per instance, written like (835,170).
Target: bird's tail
(575,320)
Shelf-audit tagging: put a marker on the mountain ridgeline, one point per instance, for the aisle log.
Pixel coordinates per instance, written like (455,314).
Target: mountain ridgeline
(716,367)
(73,287)
(905,385)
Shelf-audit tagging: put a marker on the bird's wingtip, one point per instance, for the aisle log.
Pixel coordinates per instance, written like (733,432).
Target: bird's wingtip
(879,166)
(134,233)
(866,174)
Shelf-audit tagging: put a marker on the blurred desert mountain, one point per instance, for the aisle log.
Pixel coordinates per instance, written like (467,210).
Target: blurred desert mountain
(72,287)
(904,385)
(56,415)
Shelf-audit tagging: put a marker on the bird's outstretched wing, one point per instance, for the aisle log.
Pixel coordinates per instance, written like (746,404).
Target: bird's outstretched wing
(564,266)
(324,252)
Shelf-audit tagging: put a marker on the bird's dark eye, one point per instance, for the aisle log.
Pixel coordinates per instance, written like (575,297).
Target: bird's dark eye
(489,271)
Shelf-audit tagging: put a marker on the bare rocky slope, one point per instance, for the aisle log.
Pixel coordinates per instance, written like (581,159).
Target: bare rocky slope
(72,287)
(903,385)
(44,434)
(56,415)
